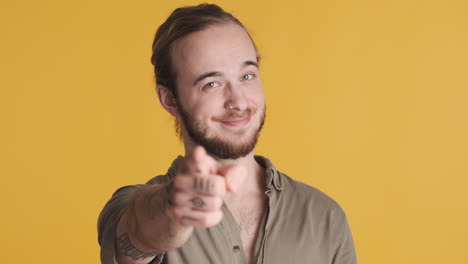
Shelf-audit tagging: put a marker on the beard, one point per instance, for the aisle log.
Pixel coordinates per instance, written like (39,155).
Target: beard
(216,146)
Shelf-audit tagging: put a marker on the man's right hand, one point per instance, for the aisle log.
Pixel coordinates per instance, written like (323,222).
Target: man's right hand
(199,188)
(150,226)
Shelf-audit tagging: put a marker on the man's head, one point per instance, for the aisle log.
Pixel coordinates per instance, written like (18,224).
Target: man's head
(206,68)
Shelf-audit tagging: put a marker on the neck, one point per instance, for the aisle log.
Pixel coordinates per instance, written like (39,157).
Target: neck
(255,180)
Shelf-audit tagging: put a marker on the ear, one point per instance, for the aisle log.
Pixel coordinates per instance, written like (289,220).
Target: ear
(167,100)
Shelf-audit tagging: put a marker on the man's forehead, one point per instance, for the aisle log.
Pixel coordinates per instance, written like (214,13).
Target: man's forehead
(218,45)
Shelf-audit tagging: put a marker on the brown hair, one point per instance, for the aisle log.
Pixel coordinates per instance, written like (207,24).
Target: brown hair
(180,23)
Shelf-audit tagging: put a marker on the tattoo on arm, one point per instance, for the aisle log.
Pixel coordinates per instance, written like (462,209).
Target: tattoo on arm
(129,250)
(198,202)
(202,185)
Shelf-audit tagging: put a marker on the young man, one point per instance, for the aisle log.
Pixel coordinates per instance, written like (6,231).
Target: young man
(219,204)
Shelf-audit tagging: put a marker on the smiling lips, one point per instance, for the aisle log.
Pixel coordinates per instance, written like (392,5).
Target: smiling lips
(236,122)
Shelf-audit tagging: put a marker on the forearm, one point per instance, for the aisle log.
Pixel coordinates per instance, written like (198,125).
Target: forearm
(125,250)
(146,229)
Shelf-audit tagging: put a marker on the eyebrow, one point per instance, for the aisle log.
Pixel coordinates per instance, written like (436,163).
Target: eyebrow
(206,75)
(249,62)
(216,73)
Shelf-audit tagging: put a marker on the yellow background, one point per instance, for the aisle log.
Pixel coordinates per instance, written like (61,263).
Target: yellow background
(367,101)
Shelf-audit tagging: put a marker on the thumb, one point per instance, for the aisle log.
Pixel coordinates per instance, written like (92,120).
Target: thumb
(234,176)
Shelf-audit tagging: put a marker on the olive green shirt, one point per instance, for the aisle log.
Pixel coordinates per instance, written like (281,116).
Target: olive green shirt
(301,225)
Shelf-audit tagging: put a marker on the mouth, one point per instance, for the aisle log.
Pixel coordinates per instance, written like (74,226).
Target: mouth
(236,122)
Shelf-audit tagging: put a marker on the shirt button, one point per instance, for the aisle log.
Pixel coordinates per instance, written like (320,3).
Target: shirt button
(236,249)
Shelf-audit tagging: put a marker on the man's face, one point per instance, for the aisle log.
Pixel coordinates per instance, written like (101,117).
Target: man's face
(220,96)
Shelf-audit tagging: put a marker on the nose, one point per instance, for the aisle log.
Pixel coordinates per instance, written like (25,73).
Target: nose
(235,98)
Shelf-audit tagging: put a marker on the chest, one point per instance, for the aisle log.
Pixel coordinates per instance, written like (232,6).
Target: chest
(295,236)
(248,216)
(248,221)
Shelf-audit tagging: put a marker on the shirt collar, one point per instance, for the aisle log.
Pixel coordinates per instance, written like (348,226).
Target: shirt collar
(273,178)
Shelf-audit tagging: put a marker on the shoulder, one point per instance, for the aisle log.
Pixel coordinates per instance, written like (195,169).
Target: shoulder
(171,172)
(160,179)
(309,197)
(318,217)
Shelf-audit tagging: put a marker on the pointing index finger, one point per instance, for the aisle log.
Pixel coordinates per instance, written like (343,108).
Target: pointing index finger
(199,162)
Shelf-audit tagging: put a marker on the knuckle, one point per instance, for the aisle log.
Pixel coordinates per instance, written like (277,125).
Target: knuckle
(212,183)
(220,187)
(214,203)
(217,203)
(182,181)
(219,215)
(204,220)
(214,218)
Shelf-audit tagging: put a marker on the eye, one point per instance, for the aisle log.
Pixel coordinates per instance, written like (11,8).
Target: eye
(211,85)
(247,76)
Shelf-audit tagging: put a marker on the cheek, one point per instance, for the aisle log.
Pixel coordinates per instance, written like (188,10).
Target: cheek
(207,107)
(257,97)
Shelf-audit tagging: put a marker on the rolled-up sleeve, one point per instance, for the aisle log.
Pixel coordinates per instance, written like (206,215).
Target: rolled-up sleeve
(109,219)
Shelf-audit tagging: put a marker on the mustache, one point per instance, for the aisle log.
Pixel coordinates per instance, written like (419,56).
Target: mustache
(235,115)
